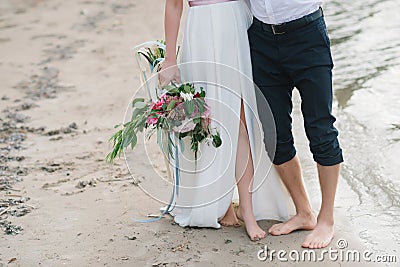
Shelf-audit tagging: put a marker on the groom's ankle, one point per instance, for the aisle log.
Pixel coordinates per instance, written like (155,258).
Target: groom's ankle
(305,213)
(325,220)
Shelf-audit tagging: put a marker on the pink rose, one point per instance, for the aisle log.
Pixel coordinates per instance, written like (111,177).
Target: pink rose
(158,105)
(152,120)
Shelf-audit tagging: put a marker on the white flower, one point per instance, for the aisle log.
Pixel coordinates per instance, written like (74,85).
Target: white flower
(187,97)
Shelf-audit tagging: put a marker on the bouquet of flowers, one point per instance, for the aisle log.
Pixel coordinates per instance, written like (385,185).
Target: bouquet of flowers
(180,111)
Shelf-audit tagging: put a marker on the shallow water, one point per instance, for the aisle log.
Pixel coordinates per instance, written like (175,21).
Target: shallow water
(365,38)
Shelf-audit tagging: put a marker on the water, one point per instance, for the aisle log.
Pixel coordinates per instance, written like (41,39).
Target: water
(365,37)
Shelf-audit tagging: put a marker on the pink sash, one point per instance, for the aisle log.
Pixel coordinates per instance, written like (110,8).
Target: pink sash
(206,2)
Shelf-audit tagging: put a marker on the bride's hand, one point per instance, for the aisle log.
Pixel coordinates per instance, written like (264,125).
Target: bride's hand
(169,72)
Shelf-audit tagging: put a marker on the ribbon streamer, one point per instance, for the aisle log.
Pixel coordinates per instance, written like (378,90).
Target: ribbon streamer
(175,189)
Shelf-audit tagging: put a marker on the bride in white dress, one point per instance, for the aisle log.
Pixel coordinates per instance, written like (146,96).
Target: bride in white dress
(215,54)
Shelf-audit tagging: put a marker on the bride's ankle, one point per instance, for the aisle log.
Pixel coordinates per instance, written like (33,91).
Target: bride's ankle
(244,214)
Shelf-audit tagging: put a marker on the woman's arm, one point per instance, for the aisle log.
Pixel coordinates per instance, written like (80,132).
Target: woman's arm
(173,13)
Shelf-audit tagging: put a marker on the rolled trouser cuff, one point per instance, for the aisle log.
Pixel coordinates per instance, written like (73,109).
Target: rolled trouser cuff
(284,158)
(329,161)
(284,152)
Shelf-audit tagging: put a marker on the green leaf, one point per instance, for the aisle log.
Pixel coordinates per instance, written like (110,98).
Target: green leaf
(140,105)
(134,141)
(136,100)
(137,113)
(109,158)
(170,147)
(129,139)
(197,120)
(187,88)
(217,142)
(147,57)
(189,107)
(141,121)
(171,104)
(200,105)
(171,89)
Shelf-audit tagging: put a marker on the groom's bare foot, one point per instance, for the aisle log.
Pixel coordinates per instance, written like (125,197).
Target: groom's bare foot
(230,218)
(320,237)
(253,230)
(298,222)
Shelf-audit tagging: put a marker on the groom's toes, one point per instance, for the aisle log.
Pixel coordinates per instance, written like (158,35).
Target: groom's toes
(306,244)
(272,231)
(273,227)
(276,232)
(324,244)
(315,245)
(280,231)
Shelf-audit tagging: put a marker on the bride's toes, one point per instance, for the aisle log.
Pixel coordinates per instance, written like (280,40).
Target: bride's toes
(230,218)
(256,233)
(255,238)
(227,223)
(258,236)
(263,235)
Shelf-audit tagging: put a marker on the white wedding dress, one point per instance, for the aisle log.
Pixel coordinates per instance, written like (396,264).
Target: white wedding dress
(215,54)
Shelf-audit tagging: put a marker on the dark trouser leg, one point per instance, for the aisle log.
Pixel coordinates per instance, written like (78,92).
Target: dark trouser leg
(314,82)
(276,86)
(316,94)
(274,96)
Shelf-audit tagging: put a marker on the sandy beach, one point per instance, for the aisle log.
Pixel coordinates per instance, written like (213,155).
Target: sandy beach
(68,74)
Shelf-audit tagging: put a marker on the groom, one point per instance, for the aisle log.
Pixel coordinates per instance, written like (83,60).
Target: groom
(290,48)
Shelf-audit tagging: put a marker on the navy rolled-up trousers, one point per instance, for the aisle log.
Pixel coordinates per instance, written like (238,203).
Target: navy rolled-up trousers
(302,59)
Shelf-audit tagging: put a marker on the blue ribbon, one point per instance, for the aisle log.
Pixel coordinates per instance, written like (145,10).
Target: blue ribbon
(175,189)
(176,182)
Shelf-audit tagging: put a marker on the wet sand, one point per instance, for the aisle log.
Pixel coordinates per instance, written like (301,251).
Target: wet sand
(67,75)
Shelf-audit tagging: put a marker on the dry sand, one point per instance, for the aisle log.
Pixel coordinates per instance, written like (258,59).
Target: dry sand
(67,74)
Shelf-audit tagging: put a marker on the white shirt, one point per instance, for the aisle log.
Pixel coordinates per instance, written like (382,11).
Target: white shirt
(280,11)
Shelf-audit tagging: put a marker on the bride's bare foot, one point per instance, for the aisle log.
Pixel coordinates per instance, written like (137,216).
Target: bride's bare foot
(297,222)
(253,230)
(230,218)
(320,237)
